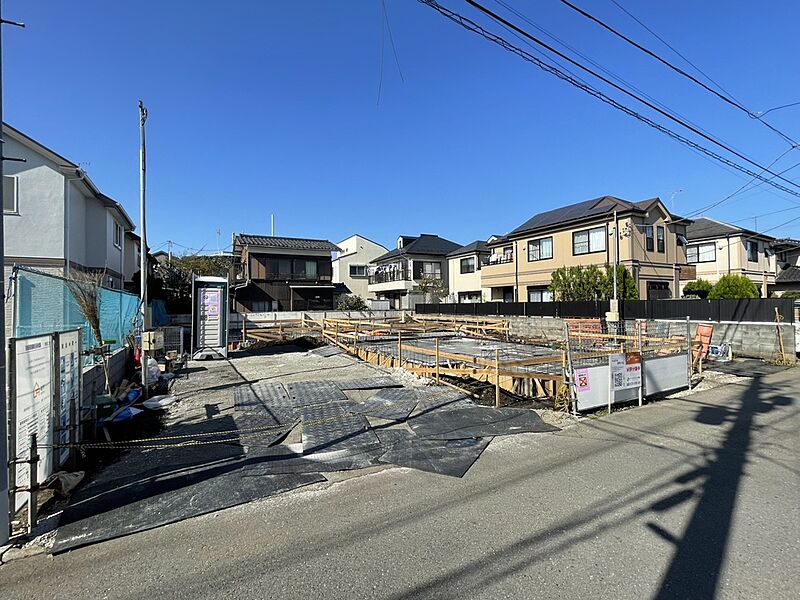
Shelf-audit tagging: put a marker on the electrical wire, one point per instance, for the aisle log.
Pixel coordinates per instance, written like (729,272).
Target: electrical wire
(505,44)
(497,18)
(680,71)
(577,52)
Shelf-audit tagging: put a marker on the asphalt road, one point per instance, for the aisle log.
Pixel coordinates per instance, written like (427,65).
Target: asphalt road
(696,497)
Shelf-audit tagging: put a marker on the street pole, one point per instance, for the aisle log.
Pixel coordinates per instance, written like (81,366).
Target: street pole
(616,256)
(143,253)
(5,525)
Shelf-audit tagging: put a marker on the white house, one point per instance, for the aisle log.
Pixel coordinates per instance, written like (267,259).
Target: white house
(350,266)
(54,218)
(465,272)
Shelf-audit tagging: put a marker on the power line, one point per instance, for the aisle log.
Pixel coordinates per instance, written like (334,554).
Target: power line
(553,70)
(671,47)
(619,88)
(678,70)
(774,212)
(589,60)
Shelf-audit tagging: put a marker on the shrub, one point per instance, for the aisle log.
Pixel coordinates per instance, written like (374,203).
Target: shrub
(351,302)
(699,288)
(733,287)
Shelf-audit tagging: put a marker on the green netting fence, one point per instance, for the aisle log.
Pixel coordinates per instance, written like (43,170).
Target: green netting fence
(44,304)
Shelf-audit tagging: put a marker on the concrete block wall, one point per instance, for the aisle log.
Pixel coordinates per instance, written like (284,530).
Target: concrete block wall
(754,340)
(120,364)
(546,329)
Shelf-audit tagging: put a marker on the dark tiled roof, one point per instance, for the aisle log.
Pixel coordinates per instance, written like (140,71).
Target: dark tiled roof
(786,244)
(581,210)
(288,243)
(788,275)
(424,244)
(477,246)
(705,228)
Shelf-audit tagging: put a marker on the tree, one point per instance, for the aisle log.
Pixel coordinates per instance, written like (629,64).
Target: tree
(793,294)
(698,287)
(592,283)
(733,287)
(351,302)
(433,288)
(626,285)
(85,289)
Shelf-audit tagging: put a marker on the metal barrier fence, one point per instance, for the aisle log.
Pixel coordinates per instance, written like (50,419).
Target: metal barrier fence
(44,304)
(610,363)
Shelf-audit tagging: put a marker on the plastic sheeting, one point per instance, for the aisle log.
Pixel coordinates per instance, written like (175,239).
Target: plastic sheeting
(43,304)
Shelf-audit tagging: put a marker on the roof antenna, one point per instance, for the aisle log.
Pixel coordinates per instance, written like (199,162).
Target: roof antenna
(272,224)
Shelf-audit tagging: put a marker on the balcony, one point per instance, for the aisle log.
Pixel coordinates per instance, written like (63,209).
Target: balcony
(498,259)
(388,275)
(387,279)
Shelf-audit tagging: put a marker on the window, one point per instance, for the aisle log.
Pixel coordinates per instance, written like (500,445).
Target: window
(589,240)
(660,239)
(700,253)
(10,194)
(648,238)
(540,249)
(466,297)
(432,270)
(358,270)
(752,250)
(311,269)
(539,294)
(117,235)
(468,265)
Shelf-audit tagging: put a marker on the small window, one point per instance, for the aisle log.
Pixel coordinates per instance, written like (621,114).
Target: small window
(432,270)
(701,253)
(540,249)
(468,265)
(117,235)
(752,250)
(540,294)
(10,194)
(589,240)
(358,270)
(311,269)
(660,239)
(648,238)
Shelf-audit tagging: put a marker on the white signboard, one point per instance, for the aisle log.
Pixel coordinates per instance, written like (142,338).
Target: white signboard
(626,370)
(33,388)
(69,386)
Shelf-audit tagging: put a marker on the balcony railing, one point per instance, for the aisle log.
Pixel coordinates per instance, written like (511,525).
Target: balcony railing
(499,259)
(387,275)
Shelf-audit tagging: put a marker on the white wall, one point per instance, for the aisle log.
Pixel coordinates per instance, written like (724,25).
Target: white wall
(356,250)
(37,230)
(76,213)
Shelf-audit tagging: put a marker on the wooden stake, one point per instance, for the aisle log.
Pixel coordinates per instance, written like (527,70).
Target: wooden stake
(399,349)
(437,360)
(497,377)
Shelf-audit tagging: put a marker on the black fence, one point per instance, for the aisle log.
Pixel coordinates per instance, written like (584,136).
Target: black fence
(756,310)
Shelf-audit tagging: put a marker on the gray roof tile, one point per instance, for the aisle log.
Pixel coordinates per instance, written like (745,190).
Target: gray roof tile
(289,243)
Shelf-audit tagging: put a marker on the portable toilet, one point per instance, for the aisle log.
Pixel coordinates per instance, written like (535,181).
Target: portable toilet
(209,317)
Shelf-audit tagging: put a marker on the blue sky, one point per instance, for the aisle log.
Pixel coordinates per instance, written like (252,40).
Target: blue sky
(272,107)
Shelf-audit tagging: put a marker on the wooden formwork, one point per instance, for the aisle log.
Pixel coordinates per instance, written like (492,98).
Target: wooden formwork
(514,376)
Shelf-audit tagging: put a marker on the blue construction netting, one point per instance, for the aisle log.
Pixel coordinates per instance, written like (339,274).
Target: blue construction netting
(44,304)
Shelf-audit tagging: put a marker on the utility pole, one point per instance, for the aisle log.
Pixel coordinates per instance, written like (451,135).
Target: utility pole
(5,526)
(143,223)
(616,256)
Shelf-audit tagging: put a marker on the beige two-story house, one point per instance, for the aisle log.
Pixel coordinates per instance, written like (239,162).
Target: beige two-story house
(464,272)
(651,246)
(716,249)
